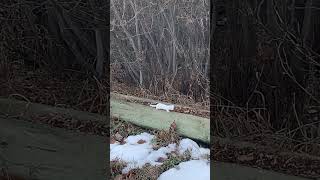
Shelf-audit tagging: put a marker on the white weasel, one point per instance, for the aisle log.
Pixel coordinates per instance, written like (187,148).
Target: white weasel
(158,106)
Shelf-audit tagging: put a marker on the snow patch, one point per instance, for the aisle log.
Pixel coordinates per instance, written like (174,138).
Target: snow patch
(190,170)
(138,151)
(136,155)
(193,148)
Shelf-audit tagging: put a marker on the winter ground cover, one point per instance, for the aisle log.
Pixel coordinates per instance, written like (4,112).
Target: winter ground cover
(137,151)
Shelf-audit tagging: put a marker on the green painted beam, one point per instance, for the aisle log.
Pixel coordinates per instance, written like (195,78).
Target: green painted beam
(187,125)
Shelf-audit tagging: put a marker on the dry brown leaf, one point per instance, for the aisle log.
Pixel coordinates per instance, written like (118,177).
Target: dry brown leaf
(141,141)
(161,159)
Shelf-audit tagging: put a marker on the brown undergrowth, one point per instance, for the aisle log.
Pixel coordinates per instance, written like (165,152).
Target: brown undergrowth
(250,140)
(68,89)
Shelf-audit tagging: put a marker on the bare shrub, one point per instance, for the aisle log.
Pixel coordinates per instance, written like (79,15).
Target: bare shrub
(162,45)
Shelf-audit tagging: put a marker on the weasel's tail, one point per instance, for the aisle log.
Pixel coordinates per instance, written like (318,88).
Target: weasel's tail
(153,105)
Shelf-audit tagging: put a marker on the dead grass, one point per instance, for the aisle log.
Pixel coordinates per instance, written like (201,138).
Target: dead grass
(68,89)
(147,172)
(165,137)
(175,98)
(174,159)
(123,128)
(116,168)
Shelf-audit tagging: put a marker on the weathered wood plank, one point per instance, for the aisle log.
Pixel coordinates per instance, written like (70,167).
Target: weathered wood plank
(187,125)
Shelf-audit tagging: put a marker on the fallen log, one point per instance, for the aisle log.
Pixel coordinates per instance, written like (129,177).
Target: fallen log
(187,125)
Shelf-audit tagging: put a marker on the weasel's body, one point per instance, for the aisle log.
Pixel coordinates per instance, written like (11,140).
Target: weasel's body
(165,107)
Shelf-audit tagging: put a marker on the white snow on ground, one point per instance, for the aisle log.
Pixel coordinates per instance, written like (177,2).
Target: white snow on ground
(194,149)
(138,151)
(137,155)
(190,170)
